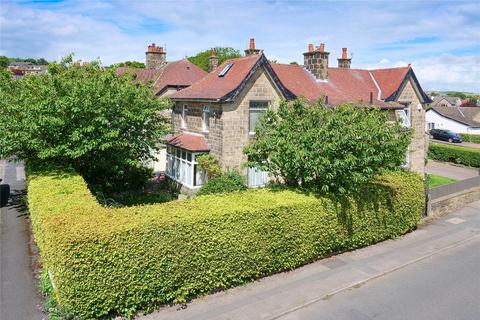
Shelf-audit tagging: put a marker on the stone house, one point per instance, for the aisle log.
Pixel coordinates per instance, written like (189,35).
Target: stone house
(218,113)
(165,78)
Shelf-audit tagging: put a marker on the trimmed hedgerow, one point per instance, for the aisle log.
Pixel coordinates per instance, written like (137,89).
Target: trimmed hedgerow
(106,261)
(475,138)
(444,152)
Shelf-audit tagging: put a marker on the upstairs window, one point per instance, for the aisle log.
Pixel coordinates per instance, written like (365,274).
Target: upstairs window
(224,71)
(256,109)
(183,120)
(206,119)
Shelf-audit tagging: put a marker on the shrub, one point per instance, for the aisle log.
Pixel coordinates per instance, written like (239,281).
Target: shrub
(444,152)
(330,149)
(210,165)
(107,261)
(228,182)
(474,138)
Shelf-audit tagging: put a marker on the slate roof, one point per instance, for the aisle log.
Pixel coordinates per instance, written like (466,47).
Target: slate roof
(190,142)
(451,100)
(469,116)
(181,73)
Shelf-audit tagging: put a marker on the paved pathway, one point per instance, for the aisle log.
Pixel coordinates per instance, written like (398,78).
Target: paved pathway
(450,170)
(294,294)
(19,298)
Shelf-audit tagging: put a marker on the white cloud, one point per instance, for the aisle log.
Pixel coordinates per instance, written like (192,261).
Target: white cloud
(380,35)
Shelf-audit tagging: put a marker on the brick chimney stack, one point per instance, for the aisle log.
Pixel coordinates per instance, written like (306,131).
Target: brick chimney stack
(212,61)
(251,49)
(155,57)
(344,62)
(316,61)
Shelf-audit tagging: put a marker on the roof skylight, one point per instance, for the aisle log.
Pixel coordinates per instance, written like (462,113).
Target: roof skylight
(225,70)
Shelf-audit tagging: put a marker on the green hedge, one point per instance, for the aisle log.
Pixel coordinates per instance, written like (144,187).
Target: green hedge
(106,261)
(475,138)
(444,152)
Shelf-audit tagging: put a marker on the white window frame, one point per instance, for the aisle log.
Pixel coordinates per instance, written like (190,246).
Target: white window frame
(250,109)
(206,114)
(404,116)
(183,117)
(181,169)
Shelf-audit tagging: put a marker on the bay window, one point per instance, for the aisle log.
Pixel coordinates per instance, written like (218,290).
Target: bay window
(183,167)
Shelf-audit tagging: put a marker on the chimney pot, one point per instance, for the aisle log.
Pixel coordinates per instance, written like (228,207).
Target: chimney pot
(344,53)
(251,48)
(252,43)
(310,47)
(371,97)
(322,47)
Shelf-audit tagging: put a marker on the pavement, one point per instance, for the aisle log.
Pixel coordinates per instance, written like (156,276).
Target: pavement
(461,144)
(451,170)
(431,273)
(19,297)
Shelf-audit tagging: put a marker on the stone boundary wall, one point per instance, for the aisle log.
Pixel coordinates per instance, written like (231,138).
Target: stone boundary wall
(440,202)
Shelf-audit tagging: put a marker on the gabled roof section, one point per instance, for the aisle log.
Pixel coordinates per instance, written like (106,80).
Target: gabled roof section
(181,73)
(389,79)
(343,85)
(469,116)
(226,88)
(393,80)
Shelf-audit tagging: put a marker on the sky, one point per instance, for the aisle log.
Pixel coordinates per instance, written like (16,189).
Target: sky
(441,39)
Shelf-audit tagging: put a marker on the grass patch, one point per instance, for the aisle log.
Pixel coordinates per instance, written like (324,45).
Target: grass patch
(437,181)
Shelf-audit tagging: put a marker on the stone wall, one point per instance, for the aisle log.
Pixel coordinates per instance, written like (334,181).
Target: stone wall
(447,204)
(417,149)
(236,119)
(194,123)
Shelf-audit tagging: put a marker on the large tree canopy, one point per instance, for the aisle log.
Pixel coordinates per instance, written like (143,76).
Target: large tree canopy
(223,53)
(329,149)
(83,116)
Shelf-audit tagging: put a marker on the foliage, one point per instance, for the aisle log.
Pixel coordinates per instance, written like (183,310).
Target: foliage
(85,117)
(329,149)
(456,94)
(39,62)
(132,64)
(107,261)
(227,182)
(474,138)
(4,62)
(201,59)
(437,181)
(461,155)
(209,163)
(294,62)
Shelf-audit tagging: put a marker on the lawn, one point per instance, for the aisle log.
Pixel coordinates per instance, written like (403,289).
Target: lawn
(437,181)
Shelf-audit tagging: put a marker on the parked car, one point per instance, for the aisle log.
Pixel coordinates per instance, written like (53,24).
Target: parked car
(445,135)
(4,194)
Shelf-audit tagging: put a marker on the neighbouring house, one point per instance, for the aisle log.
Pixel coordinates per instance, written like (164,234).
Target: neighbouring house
(446,101)
(218,113)
(164,78)
(20,68)
(457,119)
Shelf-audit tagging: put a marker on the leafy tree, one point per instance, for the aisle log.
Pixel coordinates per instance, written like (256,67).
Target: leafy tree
(209,163)
(223,53)
(132,64)
(41,61)
(294,63)
(460,95)
(328,149)
(4,62)
(82,116)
